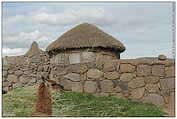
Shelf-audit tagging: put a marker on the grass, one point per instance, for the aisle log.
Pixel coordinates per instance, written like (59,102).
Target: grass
(20,102)
(74,104)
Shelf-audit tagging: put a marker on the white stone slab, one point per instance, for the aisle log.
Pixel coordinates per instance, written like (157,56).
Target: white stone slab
(88,57)
(74,58)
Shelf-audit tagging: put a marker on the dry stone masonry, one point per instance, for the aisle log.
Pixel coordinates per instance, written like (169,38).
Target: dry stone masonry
(145,80)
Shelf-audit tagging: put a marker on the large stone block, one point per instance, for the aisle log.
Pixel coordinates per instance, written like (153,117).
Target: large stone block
(126,77)
(12,78)
(106,86)
(10,71)
(72,76)
(167,84)
(127,68)
(123,85)
(18,73)
(94,74)
(170,71)
(76,87)
(87,57)
(24,79)
(162,57)
(152,88)
(137,82)
(90,87)
(151,79)
(76,69)
(112,75)
(35,59)
(59,59)
(137,93)
(67,84)
(54,59)
(153,99)
(6,84)
(74,58)
(143,70)
(83,69)
(109,66)
(158,70)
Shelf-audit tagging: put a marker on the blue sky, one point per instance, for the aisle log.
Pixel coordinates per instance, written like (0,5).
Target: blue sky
(144,28)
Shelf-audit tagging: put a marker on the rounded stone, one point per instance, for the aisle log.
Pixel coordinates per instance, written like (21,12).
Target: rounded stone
(76,87)
(18,72)
(106,86)
(112,75)
(24,79)
(127,68)
(90,87)
(137,93)
(136,83)
(12,78)
(127,77)
(162,57)
(153,99)
(94,73)
(72,76)
(152,88)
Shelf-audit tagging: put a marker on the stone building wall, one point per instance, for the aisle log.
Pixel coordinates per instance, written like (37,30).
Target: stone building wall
(75,57)
(146,80)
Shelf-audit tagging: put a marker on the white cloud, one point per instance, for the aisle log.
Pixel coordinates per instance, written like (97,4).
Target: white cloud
(68,16)
(13,51)
(24,39)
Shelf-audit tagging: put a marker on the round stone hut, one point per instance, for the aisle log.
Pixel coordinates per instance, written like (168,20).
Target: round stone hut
(82,44)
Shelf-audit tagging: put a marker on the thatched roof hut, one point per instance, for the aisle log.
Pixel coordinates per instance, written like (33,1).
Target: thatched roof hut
(84,43)
(85,36)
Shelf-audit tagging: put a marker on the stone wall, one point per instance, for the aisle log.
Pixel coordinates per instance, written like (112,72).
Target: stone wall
(19,71)
(145,80)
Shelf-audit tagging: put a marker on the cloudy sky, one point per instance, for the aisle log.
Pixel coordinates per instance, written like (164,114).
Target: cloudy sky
(144,28)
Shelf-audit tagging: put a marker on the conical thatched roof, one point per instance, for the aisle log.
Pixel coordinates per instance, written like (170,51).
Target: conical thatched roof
(84,36)
(34,49)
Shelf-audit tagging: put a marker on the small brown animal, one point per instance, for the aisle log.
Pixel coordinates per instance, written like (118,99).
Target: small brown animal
(44,101)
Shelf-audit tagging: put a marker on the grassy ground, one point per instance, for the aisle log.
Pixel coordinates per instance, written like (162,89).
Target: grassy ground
(21,101)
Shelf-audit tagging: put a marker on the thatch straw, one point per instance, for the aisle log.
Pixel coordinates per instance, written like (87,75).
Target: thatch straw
(84,36)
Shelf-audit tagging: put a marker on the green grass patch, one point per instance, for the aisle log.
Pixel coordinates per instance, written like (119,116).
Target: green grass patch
(74,104)
(20,102)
